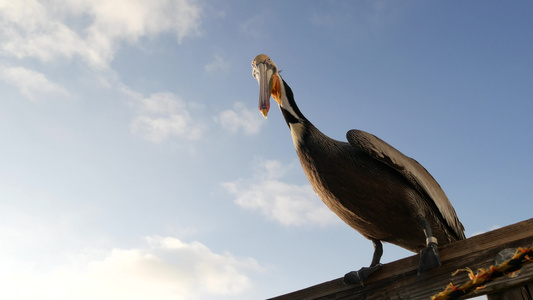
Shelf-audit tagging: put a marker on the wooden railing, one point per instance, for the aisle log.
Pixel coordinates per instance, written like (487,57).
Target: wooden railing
(399,279)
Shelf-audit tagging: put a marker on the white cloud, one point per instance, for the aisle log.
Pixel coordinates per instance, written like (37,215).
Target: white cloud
(164,268)
(493,227)
(288,204)
(217,65)
(29,29)
(46,30)
(164,115)
(240,118)
(254,25)
(31,84)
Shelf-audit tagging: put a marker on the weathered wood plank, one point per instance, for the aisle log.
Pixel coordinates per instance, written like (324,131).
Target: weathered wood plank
(399,279)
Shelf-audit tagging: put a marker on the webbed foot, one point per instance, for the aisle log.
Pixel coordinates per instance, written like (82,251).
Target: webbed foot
(361,275)
(429,258)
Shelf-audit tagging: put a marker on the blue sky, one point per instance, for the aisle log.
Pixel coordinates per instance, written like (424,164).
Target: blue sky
(135,164)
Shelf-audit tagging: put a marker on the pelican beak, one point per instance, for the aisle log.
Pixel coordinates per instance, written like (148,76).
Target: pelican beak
(263,71)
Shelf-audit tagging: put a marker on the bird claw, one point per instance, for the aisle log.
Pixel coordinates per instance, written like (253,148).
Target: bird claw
(361,275)
(429,258)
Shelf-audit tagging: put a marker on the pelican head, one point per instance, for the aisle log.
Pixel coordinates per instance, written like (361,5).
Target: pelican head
(266,73)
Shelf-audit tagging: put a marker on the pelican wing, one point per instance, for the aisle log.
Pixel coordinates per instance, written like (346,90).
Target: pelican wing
(415,173)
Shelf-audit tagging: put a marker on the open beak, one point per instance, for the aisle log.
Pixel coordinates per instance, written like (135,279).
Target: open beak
(263,75)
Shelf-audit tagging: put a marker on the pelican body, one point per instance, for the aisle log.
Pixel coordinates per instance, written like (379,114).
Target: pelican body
(374,188)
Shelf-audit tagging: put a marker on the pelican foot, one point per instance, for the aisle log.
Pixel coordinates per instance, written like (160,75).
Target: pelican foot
(429,258)
(361,275)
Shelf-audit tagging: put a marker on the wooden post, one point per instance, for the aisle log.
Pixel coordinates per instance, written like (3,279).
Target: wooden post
(399,279)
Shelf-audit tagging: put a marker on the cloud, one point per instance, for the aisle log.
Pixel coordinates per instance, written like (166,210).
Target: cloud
(240,118)
(164,115)
(29,29)
(46,30)
(163,268)
(217,65)
(288,204)
(493,227)
(254,26)
(31,84)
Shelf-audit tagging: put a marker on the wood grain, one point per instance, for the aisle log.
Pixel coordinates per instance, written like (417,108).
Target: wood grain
(399,279)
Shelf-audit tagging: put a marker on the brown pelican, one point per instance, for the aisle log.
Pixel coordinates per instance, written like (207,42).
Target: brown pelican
(374,188)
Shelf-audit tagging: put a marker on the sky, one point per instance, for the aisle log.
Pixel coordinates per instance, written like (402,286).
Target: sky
(134,163)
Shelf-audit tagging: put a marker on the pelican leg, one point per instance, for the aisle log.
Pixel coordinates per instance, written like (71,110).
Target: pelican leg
(361,275)
(429,256)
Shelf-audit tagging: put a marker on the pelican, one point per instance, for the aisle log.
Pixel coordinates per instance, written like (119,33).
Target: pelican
(378,191)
